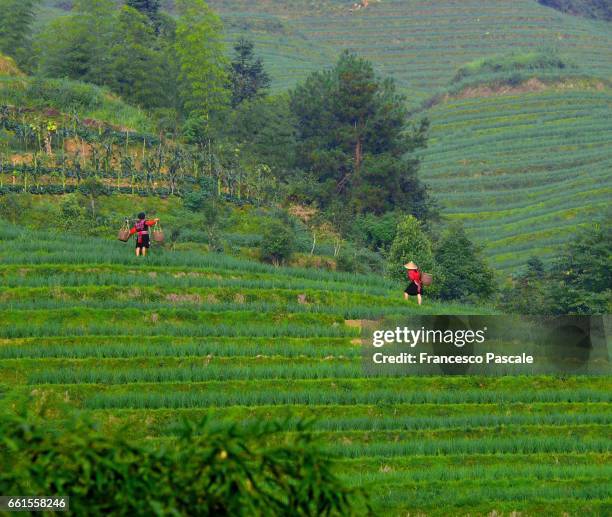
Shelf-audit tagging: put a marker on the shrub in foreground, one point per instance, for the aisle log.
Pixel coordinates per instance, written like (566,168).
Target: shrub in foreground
(203,472)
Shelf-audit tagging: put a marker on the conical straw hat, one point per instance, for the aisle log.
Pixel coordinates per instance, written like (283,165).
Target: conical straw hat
(411,265)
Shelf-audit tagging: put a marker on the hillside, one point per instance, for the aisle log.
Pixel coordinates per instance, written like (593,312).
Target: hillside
(195,334)
(419,42)
(524,168)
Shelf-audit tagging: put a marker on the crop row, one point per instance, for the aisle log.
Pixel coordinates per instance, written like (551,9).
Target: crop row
(364,416)
(269,330)
(262,396)
(123,292)
(170,346)
(460,423)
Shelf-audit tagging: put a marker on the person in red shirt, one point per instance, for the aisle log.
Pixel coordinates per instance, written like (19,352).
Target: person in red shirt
(415,287)
(141,229)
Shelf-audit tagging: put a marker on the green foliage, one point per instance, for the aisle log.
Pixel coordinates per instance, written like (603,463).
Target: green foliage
(351,138)
(536,61)
(377,232)
(411,243)
(149,8)
(578,282)
(16,18)
(14,206)
(78,46)
(581,280)
(465,273)
(247,74)
(278,242)
(73,216)
(528,293)
(504,167)
(204,472)
(200,52)
(138,64)
(265,130)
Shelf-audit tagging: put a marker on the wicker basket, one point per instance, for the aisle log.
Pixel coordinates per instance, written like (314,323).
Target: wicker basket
(158,234)
(426,278)
(124,234)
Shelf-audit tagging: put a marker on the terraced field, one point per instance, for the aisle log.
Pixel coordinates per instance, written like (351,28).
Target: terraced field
(184,334)
(523,172)
(419,42)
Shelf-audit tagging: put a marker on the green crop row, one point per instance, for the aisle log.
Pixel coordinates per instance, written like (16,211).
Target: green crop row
(169,346)
(261,395)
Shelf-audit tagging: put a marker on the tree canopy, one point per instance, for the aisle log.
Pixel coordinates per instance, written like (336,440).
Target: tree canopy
(247,74)
(352,139)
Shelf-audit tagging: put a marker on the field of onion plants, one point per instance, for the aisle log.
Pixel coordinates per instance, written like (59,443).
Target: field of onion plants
(147,343)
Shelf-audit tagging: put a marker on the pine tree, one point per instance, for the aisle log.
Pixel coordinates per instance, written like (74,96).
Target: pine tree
(352,138)
(247,74)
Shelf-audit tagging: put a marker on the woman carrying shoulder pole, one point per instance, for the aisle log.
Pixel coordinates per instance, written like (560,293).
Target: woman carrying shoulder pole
(415,287)
(141,228)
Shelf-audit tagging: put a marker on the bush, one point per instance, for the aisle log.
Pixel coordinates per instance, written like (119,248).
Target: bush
(466,275)
(203,472)
(13,206)
(411,243)
(278,243)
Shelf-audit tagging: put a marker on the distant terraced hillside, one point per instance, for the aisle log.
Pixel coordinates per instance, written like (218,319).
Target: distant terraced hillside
(524,171)
(419,42)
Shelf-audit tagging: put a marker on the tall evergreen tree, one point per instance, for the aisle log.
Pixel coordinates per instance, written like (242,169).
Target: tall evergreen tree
(16,17)
(247,74)
(352,137)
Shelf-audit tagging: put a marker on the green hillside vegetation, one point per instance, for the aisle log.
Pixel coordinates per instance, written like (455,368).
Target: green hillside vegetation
(241,341)
(424,43)
(518,153)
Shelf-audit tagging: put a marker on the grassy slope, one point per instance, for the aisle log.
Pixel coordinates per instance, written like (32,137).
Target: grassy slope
(522,171)
(420,42)
(87,325)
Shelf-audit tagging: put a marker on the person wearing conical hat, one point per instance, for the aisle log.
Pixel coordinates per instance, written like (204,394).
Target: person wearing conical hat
(415,287)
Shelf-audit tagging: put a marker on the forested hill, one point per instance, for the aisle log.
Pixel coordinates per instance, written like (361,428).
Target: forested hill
(419,42)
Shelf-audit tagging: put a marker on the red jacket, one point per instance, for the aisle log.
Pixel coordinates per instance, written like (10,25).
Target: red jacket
(147,224)
(414,275)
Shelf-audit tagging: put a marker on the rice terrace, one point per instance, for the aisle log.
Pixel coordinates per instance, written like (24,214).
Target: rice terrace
(293,174)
